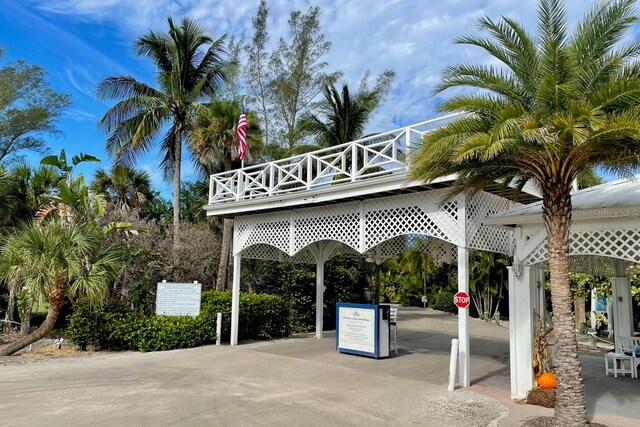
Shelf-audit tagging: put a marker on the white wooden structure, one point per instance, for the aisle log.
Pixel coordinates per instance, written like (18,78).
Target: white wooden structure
(604,240)
(356,198)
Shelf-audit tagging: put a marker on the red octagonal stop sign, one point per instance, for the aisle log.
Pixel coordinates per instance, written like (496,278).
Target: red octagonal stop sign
(461,300)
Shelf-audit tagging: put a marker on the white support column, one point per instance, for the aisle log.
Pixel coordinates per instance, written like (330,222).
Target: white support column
(319,298)
(622,309)
(522,290)
(463,319)
(235,299)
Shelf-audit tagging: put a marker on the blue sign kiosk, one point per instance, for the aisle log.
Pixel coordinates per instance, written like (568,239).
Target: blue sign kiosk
(363,329)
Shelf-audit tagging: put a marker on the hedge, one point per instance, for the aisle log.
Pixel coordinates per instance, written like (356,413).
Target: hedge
(262,316)
(443,301)
(116,327)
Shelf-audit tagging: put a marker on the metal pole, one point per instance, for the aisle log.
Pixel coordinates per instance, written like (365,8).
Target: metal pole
(218,328)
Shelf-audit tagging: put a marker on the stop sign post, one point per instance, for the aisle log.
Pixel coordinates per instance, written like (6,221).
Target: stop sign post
(461,300)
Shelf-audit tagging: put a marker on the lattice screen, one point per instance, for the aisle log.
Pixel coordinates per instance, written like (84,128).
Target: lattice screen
(597,248)
(385,226)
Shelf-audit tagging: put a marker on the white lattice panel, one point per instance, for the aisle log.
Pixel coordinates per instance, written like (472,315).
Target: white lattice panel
(386,225)
(484,237)
(615,244)
(334,222)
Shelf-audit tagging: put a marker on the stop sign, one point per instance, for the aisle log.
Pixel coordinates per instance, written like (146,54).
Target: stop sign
(461,300)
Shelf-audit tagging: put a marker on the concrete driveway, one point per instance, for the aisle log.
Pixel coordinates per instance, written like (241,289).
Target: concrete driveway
(287,382)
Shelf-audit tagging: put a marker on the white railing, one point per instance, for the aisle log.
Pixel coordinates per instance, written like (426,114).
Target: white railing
(374,156)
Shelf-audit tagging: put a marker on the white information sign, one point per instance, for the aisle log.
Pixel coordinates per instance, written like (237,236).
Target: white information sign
(178,299)
(356,329)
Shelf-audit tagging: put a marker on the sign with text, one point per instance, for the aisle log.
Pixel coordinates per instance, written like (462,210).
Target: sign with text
(461,300)
(178,299)
(357,328)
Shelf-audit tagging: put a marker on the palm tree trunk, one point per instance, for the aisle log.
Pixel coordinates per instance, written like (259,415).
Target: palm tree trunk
(56,298)
(25,324)
(10,314)
(227,230)
(177,163)
(570,403)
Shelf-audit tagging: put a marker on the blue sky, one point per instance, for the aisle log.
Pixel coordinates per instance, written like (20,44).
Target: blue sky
(79,42)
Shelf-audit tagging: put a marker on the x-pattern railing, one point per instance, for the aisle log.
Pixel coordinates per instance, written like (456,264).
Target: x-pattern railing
(374,156)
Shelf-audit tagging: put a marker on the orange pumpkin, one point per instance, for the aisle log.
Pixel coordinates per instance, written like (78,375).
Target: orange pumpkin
(547,380)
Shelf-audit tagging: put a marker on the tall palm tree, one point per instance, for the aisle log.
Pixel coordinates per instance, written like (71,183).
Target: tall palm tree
(558,105)
(125,187)
(214,140)
(190,68)
(419,263)
(53,260)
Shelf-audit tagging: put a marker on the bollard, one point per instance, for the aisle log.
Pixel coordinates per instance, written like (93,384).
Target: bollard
(218,328)
(453,362)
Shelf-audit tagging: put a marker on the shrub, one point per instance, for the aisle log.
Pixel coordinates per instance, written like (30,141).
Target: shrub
(443,301)
(262,316)
(115,327)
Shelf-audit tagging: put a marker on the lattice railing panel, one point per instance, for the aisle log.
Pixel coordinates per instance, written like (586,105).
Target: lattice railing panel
(369,157)
(274,233)
(613,243)
(485,237)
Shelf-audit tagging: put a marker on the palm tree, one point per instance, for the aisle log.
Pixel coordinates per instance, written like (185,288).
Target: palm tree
(33,187)
(418,263)
(190,68)
(54,260)
(125,187)
(342,116)
(214,140)
(559,105)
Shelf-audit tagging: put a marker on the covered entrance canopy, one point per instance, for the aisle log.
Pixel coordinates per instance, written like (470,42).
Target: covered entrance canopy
(604,240)
(356,198)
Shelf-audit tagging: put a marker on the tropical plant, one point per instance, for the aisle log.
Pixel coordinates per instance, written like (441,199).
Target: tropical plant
(125,187)
(190,68)
(214,140)
(558,105)
(418,263)
(73,202)
(55,260)
(32,188)
(341,115)
(486,282)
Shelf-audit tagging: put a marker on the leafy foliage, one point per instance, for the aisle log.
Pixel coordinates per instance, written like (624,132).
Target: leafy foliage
(29,109)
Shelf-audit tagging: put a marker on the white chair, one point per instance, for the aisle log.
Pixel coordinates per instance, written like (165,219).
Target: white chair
(630,347)
(621,368)
(393,318)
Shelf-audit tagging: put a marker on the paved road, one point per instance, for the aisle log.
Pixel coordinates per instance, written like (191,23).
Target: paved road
(292,382)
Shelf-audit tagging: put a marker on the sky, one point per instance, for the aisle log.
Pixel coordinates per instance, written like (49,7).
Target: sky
(80,42)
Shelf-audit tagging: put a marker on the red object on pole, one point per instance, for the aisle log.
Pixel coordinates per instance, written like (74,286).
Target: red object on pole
(461,300)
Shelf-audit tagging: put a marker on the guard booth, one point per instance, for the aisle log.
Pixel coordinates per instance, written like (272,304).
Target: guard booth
(363,329)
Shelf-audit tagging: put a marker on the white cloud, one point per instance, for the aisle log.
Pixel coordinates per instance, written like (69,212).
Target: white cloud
(414,37)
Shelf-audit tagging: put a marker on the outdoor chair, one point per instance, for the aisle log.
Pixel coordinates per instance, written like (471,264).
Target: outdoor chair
(393,318)
(630,347)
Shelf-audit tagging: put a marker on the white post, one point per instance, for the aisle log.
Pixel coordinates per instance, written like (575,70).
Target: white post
(319,298)
(522,287)
(218,328)
(455,344)
(622,309)
(463,318)
(235,299)
(594,297)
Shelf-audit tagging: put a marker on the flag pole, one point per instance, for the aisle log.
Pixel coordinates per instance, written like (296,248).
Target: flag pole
(243,109)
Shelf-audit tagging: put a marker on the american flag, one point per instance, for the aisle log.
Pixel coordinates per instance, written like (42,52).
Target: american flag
(242,134)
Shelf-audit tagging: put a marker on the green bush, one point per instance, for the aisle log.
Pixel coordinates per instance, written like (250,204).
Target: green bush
(115,327)
(443,301)
(262,316)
